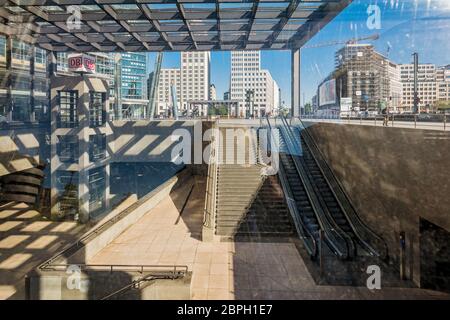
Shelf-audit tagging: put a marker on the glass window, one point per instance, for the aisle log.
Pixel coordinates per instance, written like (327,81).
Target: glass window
(97,147)
(67,186)
(68,113)
(21,50)
(67,149)
(21,108)
(96,109)
(97,188)
(2,46)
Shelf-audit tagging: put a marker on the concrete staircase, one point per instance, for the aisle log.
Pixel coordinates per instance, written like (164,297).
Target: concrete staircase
(248,203)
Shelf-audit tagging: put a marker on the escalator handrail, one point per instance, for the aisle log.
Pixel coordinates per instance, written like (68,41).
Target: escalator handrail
(331,234)
(298,221)
(209,215)
(354,217)
(350,243)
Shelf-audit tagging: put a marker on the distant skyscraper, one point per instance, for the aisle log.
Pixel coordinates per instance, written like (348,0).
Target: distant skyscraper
(247,76)
(191,80)
(195,76)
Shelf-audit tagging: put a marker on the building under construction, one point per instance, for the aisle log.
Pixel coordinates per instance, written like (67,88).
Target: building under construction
(362,74)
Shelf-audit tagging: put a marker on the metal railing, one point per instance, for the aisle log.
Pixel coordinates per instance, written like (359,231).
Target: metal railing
(434,121)
(172,271)
(211,181)
(335,237)
(361,230)
(83,240)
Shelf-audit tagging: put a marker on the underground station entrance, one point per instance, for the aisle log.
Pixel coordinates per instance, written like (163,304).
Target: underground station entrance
(248,207)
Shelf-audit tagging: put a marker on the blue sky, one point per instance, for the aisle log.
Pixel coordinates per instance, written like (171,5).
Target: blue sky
(407,26)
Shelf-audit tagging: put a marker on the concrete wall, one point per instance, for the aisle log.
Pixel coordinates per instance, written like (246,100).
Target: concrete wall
(394,176)
(23,146)
(95,285)
(146,141)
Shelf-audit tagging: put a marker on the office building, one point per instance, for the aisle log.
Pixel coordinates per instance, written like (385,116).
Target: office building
(433,87)
(443,79)
(192,82)
(212,92)
(133,73)
(249,80)
(167,78)
(395,102)
(23,90)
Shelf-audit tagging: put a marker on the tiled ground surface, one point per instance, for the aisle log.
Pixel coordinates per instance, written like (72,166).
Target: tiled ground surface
(226,270)
(26,240)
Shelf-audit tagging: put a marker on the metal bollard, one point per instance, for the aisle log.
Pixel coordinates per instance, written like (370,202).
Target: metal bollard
(321,262)
(402,255)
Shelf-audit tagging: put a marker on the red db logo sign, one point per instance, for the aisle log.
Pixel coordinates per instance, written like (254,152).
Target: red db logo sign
(81,63)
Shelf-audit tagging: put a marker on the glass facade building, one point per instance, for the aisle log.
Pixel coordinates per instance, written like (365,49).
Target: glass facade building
(133,87)
(23,82)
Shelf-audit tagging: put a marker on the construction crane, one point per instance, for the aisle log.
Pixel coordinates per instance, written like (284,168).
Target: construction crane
(373,37)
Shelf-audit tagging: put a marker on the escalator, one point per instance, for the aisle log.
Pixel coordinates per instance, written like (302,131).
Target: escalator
(325,192)
(304,205)
(334,198)
(299,194)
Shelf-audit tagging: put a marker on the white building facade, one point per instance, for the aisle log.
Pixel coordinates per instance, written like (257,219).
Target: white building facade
(192,82)
(427,85)
(247,76)
(164,99)
(395,87)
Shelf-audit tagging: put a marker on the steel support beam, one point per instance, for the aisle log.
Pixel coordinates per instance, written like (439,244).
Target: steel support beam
(295,83)
(9,104)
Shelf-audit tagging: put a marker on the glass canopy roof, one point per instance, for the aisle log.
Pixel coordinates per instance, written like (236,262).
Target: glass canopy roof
(166,25)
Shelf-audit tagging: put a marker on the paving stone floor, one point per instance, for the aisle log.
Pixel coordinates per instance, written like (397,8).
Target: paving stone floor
(26,240)
(229,270)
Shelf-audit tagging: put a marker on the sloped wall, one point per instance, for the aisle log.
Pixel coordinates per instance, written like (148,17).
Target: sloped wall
(394,176)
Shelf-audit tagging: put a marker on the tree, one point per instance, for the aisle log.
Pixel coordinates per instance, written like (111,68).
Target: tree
(308,108)
(443,105)
(221,110)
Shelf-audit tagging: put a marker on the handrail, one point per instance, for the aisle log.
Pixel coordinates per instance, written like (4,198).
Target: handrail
(152,276)
(169,269)
(98,229)
(300,226)
(134,283)
(332,233)
(211,181)
(349,210)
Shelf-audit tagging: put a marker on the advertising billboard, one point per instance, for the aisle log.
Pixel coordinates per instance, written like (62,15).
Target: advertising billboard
(327,92)
(81,63)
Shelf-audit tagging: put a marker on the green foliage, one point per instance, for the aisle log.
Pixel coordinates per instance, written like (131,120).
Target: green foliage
(221,110)
(308,108)
(443,105)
